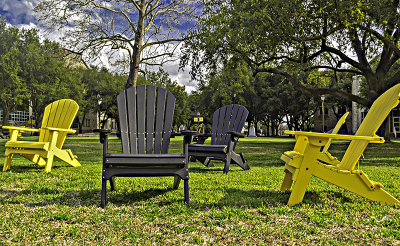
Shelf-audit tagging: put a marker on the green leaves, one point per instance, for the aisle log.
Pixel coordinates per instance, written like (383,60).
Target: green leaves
(356,37)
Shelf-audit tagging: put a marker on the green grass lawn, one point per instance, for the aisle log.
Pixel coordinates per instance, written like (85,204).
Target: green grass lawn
(241,208)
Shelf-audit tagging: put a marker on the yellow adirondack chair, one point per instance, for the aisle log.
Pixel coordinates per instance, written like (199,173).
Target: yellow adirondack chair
(325,156)
(57,120)
(307,160)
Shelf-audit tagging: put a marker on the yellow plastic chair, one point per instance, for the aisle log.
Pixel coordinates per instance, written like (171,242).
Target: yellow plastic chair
(57,120)
(307,160)
(325,156)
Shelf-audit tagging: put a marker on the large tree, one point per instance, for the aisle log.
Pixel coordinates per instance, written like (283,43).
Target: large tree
(101,89)
(13,89)
(293,38)
(149,31)
(268,97)
(45,72)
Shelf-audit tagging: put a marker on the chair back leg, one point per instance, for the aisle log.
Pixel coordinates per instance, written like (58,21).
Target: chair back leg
(112,183)
(7,162)
(177,180)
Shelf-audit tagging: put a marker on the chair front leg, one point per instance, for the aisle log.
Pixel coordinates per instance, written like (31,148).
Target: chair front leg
(52,149)
(9,156)
(186,140)
(103,193)
(229,155)
(186,190)
(305,170)
(104,140)
(228,159)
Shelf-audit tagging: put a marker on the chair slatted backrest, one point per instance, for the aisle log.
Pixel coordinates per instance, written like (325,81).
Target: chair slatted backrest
(372,121)
(335,130)
(145,116)
(228,118)
(58,114)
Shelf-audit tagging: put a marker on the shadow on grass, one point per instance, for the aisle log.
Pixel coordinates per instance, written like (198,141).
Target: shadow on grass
(233,198)
(256,160)
(32,167)
(76,198)
(257,198)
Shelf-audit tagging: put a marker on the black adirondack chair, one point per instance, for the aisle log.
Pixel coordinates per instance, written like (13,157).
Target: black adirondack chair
(145,117)
(228,121)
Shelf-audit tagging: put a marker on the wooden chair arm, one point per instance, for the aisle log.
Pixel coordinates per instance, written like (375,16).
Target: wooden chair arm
(103,133)
(374,139)
(21,128)
(236,134)
(188,133)
(59,129)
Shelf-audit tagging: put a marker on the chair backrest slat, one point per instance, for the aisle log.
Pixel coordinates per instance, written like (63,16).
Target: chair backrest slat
(214,126)
(161,97)
(220,127)
(149,119)
(372,121)
(228,118)
(239,123)
(132,120)
(141,120)
(169,115)
(227,124)
(150,114)
(59,114)
(235,111)
(123,121)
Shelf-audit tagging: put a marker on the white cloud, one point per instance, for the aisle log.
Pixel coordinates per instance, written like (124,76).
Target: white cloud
(181,76)
(18,11)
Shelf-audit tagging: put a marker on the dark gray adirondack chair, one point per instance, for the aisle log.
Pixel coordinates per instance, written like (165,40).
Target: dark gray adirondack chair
(228,121)
(145,117)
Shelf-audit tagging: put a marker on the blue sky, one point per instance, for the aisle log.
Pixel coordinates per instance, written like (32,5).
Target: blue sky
(20,13)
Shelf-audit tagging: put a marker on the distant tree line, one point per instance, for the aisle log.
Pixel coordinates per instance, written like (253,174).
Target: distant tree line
(35,73)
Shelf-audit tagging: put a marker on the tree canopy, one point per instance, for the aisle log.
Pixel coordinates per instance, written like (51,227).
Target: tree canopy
(32,71)
(293,38)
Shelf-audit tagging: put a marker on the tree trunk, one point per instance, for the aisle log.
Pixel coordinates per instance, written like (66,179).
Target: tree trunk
(81,122)
(137,47)
(133,69)
(6,114)
(386,130)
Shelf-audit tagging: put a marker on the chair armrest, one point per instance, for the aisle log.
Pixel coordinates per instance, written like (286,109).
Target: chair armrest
(374,139)
(100,130)
(236,134)
(59,129)
(189,133)
(184,133)
(103,133)
(21,128)
(187,136)
(175,134)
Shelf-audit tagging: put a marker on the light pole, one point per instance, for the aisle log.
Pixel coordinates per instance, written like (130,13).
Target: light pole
(323,113)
